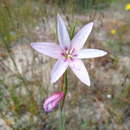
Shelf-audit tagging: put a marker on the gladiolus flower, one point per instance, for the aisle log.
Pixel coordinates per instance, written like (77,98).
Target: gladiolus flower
(69,52)
(52,101)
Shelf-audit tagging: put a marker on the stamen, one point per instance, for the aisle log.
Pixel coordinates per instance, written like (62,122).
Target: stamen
(68,54)
(72,50)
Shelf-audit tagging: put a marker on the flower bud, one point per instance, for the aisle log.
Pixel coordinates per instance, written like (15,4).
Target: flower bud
(52,101)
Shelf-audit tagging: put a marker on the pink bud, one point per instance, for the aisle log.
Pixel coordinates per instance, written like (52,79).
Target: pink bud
(52,101)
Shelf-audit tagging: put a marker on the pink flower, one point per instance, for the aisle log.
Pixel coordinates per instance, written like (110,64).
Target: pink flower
(69,52)
(52,101)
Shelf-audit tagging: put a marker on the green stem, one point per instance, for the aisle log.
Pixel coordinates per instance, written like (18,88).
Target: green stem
(65,88)
(62,120)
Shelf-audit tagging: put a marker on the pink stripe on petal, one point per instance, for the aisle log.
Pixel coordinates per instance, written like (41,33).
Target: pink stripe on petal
(47,48)
(90,53)
(80,71)
(58,69)
(80,38)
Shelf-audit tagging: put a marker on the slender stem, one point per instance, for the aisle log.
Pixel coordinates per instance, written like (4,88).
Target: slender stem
(66,82)
(62,120)
(65,88)
(72,31)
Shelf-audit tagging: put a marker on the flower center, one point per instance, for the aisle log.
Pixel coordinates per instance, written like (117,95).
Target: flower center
(69,54)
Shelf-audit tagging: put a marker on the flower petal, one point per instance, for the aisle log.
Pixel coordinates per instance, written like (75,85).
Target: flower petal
(78,67)
(90,53)
(47,48)
(63,35)
(58,70)
(79,39)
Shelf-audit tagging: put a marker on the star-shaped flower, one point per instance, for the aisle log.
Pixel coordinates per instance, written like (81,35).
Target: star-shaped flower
(69,52)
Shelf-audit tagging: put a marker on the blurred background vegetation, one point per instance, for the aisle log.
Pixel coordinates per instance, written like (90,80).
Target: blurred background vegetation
(24,74)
